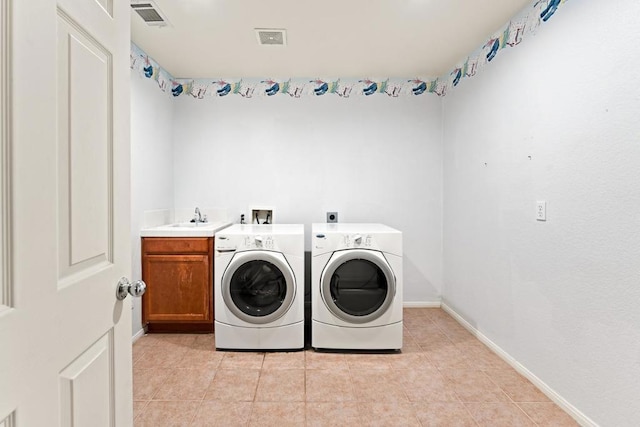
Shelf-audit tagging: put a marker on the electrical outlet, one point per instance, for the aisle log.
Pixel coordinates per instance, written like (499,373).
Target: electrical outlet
(332,216)
(541,210)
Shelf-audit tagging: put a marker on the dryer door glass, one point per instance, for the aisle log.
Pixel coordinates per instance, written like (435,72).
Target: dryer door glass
(359,287)
(258,288)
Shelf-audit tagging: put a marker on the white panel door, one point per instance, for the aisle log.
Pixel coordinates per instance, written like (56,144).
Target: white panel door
(65,339)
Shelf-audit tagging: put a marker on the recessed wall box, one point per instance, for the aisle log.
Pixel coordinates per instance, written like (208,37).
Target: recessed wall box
(261,214)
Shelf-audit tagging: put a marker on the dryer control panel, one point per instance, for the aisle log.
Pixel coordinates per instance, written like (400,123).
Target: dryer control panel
(328,238)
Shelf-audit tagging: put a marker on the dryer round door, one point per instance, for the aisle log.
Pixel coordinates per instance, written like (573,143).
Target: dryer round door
(357,286)
(258,286)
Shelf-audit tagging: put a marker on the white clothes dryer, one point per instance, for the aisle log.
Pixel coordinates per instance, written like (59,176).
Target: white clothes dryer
(259,287)
(356,287)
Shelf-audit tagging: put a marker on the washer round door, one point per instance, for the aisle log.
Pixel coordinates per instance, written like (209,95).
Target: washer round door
(357,286)
(258,286)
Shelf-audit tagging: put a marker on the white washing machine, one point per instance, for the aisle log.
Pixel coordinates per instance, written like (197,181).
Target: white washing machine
(259,287)
(356,287)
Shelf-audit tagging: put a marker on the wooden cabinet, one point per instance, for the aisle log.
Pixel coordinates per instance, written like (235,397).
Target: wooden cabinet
(178,272)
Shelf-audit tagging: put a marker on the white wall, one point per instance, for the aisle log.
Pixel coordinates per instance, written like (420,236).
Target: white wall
(563,296)
(372,159)
(151,163)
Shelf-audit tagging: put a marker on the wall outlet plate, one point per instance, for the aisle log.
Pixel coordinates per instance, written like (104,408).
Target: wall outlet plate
(541,210)
(332,216)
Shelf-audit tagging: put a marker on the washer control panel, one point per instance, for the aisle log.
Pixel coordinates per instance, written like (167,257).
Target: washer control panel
(259,242)
(357,240)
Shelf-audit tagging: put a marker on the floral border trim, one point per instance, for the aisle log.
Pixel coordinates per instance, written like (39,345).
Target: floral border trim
(524,24)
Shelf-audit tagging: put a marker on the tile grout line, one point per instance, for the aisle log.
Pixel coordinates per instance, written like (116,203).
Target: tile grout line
(195,414)
(466,408)
(525,414)
(255,392)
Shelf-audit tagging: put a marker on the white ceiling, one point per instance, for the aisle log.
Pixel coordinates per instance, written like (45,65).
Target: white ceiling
(332,38)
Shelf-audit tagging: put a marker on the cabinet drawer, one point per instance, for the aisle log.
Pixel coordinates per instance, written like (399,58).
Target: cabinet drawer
(183,245)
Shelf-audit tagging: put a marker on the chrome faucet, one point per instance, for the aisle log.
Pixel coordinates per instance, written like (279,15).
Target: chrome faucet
(198,216)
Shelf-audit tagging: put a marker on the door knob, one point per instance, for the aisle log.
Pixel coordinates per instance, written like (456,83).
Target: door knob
(136,289)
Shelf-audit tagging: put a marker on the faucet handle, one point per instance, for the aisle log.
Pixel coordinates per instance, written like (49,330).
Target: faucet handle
(204,218)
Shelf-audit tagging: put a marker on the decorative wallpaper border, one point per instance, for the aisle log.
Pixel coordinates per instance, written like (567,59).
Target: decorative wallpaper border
(524,24)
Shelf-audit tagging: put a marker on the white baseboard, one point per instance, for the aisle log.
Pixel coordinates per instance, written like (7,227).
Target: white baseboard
(137,336)
(421,304)
(581,418)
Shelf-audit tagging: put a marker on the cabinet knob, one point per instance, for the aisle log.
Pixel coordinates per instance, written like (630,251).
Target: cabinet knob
(136,289)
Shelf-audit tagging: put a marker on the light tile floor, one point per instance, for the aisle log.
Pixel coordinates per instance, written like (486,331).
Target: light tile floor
(443,377)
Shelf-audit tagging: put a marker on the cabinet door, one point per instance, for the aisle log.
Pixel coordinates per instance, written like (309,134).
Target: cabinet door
(178,288)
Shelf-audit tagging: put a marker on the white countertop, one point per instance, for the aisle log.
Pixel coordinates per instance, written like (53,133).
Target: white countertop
(185,229)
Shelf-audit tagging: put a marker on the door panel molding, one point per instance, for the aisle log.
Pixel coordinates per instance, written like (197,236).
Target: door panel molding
(107,5)
(9,421)
(6,292)
(87,392)
(85,153)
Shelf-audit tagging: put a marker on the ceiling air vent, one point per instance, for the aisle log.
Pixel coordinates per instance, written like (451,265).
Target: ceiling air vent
(271,37)
(149,12)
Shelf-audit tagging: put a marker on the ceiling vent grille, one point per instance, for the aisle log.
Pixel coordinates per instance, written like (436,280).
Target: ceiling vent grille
(149,12)
(271,36)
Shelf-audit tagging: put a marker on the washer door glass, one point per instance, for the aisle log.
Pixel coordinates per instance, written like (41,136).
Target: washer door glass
(258,287)
(358,285)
